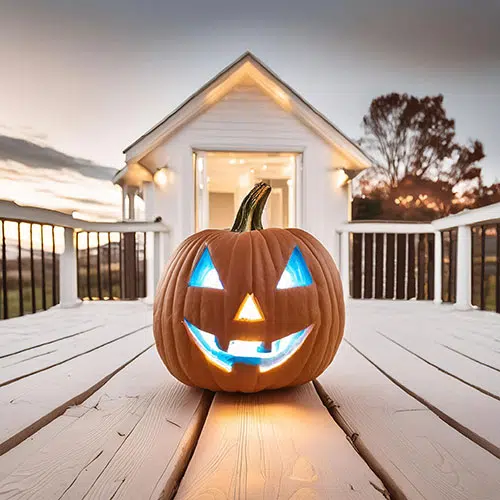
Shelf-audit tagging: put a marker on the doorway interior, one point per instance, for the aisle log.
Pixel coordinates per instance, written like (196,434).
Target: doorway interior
(224,178)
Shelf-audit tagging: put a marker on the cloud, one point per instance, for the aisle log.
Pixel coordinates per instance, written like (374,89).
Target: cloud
(40,156)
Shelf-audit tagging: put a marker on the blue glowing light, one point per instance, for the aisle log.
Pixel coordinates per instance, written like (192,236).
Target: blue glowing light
(296,272)
(247,352)
(205,275)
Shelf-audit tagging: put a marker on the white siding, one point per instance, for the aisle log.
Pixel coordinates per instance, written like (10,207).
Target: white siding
(247,119)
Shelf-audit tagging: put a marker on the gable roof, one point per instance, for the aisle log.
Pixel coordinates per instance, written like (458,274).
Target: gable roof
(300,107)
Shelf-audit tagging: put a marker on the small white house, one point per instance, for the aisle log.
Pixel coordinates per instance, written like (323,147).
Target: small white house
(193,168)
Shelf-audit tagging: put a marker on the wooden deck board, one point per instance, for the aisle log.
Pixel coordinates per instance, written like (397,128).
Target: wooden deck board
(472,412)
(279,445)
(47,327)
(133,428)
(430,340)
(131,439)
(32,361)
(32,402)
(422,456)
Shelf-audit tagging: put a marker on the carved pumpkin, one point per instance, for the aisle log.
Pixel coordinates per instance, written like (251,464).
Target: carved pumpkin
(251,308)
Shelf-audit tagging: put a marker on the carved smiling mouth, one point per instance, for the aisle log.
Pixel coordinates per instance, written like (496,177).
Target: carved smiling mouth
(247,352)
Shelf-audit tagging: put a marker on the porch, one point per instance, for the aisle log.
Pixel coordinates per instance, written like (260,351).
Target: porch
(408,409)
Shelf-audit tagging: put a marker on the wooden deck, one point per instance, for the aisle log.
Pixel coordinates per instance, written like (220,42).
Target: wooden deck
(410,408)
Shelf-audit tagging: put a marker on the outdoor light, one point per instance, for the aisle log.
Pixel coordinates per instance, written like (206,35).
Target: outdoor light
(251,308)
(161,177)
(343,178)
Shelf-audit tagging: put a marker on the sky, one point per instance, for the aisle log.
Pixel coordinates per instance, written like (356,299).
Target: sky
(81,80)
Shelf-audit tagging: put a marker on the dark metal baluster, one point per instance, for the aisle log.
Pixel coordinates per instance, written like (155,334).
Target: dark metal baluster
(99,288)
(78,281)
(450,266)
(20,270)
(483,266)
(120,266)
(430,266)
(32,270)
(110,282)
(389,266)
(357,239)
(89,291)
(498,271)
(44,285)
(411,284)
(144,266)
(421,268)
(4,274)
(379,266)
(368,274)
(400,266)
(472,252)
(54,280)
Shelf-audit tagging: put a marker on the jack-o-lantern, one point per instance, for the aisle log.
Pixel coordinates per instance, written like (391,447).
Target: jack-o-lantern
(251,308)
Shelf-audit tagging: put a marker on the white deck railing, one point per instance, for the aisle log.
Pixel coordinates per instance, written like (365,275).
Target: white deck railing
(157,248)
(462,222)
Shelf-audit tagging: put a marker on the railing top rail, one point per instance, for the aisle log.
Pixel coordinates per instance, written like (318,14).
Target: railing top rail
(10,210)
(490,213)
(387,227)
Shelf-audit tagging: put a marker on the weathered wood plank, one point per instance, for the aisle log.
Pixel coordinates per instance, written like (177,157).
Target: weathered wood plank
(468,410)
(48,327)
(417,454)
(422,345)
(279,444)
(32,361)
(32,402)
(131,439)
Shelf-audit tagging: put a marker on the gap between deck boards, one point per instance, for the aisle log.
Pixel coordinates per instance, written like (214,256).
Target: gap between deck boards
(469,433)
(20,377)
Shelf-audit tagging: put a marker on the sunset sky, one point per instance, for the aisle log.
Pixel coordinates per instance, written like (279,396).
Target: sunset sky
(80,80)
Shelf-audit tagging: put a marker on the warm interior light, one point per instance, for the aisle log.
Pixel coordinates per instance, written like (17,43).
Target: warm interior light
(249,310)
(264,167)
(161,177)
(232,162)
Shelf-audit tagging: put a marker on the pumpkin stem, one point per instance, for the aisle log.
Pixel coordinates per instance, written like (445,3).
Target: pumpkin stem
(249,217)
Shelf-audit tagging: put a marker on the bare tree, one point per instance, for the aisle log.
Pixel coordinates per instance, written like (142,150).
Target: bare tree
(410,137)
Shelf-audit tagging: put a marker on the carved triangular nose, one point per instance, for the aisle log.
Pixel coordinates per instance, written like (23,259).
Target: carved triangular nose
(249,310)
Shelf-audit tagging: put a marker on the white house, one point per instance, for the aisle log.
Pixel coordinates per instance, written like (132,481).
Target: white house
(245,125)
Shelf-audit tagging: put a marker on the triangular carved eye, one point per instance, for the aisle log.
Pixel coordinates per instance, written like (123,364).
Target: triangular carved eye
(296,272)
(205,275)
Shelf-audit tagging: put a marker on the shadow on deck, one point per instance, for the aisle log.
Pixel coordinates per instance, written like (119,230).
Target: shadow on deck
(88,410)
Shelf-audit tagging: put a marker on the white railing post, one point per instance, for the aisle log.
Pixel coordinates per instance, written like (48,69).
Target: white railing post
(68,280)
(153,266)
(438,268)
(464,268)
(344,262)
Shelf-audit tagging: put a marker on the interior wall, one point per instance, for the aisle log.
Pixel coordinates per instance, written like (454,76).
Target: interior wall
(222,213)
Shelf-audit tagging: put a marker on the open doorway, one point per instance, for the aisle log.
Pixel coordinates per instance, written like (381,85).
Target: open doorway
(224,178)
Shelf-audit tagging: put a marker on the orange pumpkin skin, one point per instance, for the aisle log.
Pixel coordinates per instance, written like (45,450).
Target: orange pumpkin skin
(249,262)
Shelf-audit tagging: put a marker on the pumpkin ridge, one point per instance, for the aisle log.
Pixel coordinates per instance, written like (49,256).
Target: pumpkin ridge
(175,358)
(321,348)
(337,321)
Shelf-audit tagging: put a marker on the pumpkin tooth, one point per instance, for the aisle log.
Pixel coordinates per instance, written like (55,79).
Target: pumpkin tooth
(223,344)
(267,346)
